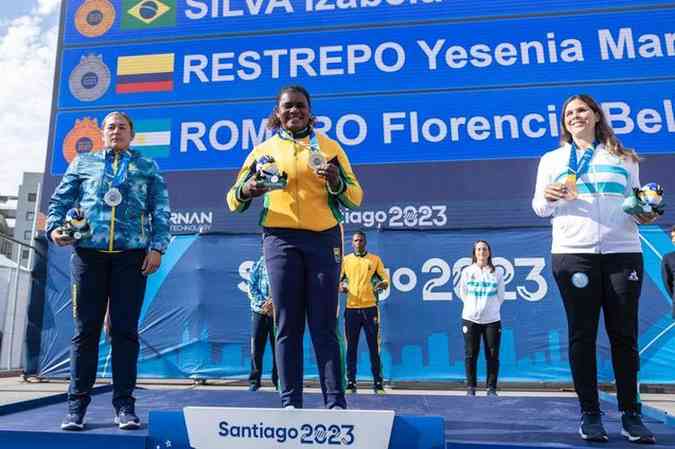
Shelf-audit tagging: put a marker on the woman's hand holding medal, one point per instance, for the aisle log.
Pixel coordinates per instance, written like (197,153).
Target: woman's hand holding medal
(330,173)
(555,191)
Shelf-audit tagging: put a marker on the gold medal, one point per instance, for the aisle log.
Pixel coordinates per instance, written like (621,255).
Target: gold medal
(570,188)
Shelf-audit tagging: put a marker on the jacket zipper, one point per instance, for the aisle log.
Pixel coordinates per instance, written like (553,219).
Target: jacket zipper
(297,179)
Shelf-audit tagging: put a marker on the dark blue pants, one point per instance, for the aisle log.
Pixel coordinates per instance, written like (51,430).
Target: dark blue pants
(589,283)
(368,319)
(97,277)
(262,329)
(304,268)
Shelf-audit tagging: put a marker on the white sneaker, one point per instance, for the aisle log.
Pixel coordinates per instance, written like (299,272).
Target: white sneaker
(290,407)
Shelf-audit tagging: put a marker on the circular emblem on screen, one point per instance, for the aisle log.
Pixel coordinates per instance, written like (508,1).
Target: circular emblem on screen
(90,79)
(83,138)
(580,280)
(148,9)
(94,17)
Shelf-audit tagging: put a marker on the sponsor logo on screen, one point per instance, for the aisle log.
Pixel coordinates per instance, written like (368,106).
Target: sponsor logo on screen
(191,221)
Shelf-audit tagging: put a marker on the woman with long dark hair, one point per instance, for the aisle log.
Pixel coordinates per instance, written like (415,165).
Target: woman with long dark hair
(596,256)
(482,292)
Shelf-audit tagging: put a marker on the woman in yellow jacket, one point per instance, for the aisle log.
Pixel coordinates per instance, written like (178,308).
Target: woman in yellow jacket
(302,240)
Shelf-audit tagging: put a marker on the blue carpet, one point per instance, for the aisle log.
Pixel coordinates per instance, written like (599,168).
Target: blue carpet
(469,421)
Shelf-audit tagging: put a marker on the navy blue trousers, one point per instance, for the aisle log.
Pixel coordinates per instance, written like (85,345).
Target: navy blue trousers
(96,277)
(304,269)
(262,329)
(368,319)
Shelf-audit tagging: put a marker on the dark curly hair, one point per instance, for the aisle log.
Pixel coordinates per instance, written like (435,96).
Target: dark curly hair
(273,121)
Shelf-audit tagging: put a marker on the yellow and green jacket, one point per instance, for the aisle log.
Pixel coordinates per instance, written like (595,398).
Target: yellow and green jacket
(362,274)
(305,203)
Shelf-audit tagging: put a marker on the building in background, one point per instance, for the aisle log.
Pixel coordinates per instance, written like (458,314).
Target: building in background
(25,214)
(7,223)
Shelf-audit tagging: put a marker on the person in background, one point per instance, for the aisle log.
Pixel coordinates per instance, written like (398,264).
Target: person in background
(596,257)
(262,323)
(668,270)
(481,289)
(363,278)
(302,239)
(126,203)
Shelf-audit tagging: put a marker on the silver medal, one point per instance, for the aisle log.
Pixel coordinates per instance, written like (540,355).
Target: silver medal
(113,197)
(316,160)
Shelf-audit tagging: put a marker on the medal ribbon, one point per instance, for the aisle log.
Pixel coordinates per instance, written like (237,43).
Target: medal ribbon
(313,141)
(577,168)
(120,177)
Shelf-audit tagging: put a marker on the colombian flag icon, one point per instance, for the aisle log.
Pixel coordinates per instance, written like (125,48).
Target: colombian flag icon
(145,73)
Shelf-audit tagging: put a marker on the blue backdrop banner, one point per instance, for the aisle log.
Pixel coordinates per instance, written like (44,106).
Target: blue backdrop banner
(195,318)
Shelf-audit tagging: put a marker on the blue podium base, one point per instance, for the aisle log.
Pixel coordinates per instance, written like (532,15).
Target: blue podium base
(167,429)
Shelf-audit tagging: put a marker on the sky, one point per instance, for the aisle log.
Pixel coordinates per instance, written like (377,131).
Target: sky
(28,38)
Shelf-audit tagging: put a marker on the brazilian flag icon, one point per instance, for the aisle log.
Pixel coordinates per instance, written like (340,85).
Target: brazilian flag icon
(140,14)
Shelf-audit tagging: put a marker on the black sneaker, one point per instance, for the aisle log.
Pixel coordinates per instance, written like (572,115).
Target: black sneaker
(591,428)
(471,391)
(378,388)
(254,387)
(126,419)
(73,421)
(492,392)
(633,429)
(351,387)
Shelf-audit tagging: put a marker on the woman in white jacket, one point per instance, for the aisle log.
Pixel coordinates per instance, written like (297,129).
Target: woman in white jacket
(482,292)
(596,256)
